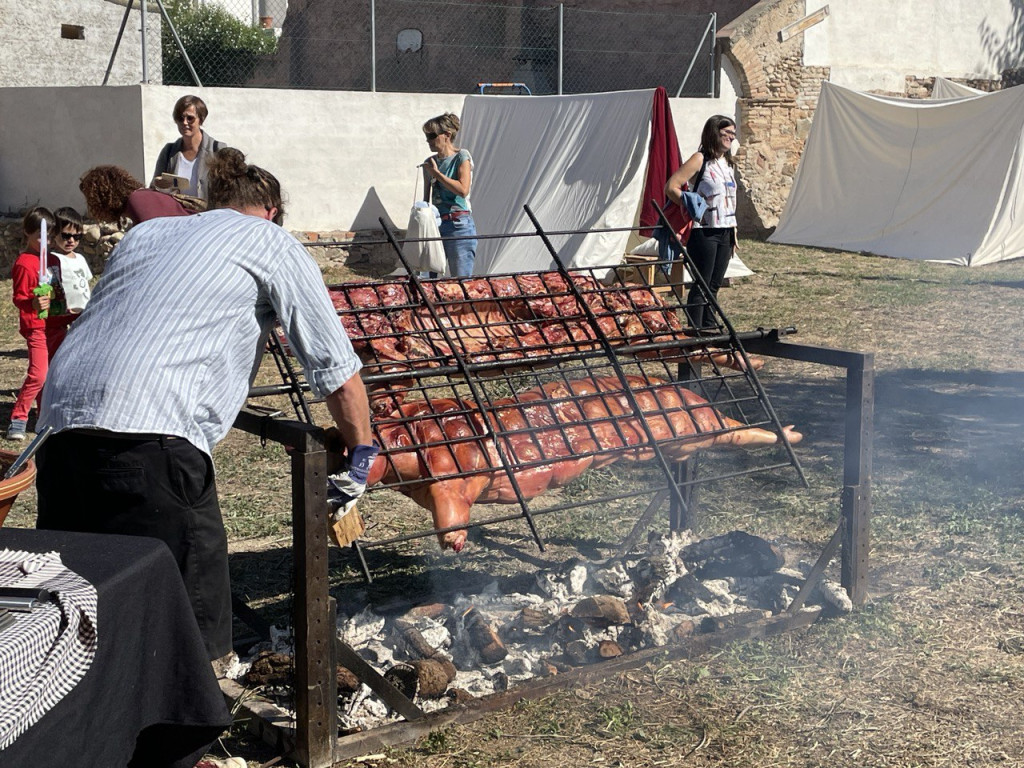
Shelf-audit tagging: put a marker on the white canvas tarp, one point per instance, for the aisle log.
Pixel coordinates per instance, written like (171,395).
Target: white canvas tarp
(947,89)
(914,179)
(577,161)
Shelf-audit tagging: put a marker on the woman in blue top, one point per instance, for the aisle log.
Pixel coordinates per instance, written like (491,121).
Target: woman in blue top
(447,177)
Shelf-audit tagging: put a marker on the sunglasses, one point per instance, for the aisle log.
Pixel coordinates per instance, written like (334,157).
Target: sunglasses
(186,119)
(70,235)
(431,136)
(728,134)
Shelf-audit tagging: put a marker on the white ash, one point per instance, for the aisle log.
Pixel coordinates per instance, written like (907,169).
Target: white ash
(655,627)
(614,580)
(834,595)
(658,588)
(361,628)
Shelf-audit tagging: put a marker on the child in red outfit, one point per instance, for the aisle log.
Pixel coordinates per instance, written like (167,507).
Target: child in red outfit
(25,276)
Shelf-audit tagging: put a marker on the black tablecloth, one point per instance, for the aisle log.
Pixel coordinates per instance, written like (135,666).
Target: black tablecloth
(150,698)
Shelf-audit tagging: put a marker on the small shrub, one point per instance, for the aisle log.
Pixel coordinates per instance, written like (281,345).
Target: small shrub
(222,49)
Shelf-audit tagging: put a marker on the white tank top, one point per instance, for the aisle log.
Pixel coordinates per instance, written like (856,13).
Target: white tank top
(718,187)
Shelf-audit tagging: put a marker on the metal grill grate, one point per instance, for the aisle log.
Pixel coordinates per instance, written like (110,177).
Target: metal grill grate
(502,389)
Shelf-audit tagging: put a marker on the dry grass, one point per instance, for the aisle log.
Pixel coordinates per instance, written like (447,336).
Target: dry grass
(929,673)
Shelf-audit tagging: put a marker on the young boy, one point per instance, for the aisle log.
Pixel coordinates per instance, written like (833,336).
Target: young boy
(71,273)
(25,277)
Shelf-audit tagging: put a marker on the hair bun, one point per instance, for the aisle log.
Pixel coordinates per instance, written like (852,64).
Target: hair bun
(228,163)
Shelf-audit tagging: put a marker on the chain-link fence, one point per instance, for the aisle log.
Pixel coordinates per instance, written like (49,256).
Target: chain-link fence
(436,46)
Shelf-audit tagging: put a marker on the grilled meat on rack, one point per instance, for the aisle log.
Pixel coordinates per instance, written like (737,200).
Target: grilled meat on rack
(443,453)
(531,315)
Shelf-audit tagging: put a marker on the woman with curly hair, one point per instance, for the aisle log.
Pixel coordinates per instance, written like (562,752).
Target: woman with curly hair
(111,193)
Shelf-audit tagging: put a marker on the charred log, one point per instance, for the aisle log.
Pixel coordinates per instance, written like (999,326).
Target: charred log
(578,653)
(609,649)
(736,553)
(602,610)
(272,670)
(426,678)
(483,637)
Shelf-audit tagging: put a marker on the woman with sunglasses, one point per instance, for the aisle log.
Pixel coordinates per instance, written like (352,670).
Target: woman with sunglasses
(709,173)
(447,178)
(189,156)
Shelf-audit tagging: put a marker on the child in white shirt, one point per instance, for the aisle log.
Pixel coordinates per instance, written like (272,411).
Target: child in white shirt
(72,273)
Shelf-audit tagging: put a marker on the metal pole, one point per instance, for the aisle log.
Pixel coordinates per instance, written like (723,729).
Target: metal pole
(255,13)
(145,57)
(177,41)
(693,59)
(711,56)
(117,42)
(373,46)
(561,44)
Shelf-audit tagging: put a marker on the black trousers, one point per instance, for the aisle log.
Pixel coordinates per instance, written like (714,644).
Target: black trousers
(710,249)
(144,486)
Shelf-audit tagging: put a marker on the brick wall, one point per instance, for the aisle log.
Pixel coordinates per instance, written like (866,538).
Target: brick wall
(777,101)
(322,47)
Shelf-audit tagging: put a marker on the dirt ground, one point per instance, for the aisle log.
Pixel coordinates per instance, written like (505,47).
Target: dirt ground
(928,673)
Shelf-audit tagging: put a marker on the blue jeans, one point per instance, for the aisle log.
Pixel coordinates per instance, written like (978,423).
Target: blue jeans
(460,253)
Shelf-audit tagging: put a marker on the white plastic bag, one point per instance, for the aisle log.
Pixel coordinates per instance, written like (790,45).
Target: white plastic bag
(424,222)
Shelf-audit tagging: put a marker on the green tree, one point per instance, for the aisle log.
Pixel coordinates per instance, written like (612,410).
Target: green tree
(223,50)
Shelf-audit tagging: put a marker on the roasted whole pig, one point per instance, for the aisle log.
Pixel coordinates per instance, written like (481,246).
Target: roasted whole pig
(442,453)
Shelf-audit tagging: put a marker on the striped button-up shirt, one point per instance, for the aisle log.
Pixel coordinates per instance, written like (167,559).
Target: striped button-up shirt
(173,334)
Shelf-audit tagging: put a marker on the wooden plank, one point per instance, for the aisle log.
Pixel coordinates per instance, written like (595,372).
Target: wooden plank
(316,699)
(803,24)
(857,468)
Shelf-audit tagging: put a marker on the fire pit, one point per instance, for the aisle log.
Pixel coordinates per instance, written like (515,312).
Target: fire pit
(494,391)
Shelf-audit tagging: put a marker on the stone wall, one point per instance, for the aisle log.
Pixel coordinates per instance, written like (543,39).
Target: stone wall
(77,38)
(778,99)
(366,253)
(321,47)
(921,87)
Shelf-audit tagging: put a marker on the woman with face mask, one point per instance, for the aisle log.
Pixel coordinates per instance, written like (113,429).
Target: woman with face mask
(709,173)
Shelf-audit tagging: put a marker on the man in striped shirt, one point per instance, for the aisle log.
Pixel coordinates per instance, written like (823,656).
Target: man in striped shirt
(155,371)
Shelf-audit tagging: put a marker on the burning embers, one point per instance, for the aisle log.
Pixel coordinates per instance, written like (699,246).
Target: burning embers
(581,613)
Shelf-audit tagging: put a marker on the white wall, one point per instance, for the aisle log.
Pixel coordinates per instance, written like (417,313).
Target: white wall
(343,158)
(875,44)
(32,51)
(689,115)
(52,135)
(334,152)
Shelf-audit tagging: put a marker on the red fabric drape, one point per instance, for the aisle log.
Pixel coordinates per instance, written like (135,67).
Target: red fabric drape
(662,161)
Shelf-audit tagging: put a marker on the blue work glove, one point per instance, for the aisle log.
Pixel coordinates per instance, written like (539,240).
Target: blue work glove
(345,487)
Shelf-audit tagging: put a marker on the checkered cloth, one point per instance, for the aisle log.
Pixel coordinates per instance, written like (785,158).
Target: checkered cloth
(47,651)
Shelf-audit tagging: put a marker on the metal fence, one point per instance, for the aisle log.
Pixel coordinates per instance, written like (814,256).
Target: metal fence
(436,46)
